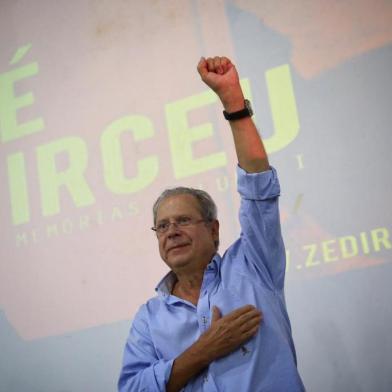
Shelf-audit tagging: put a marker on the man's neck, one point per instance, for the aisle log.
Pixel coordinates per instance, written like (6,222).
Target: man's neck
(189,280)
(187,286)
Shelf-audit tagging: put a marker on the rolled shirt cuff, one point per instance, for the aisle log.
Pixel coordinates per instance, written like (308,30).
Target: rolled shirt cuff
(162,371)
(258,186)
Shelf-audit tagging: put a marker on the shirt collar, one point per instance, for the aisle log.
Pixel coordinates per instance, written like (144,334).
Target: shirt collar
(165,285)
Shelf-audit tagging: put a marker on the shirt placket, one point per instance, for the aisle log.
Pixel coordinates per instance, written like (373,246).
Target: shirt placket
(204,319)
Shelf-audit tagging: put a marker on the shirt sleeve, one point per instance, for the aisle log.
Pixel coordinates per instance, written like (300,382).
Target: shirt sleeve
(261,236)
(142,371)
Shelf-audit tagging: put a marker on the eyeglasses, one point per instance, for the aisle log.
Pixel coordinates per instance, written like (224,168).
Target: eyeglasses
(182,221)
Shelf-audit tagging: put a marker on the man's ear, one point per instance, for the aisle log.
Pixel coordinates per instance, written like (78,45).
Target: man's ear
(215,230)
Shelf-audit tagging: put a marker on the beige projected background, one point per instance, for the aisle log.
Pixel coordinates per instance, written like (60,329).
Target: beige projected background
(101,107)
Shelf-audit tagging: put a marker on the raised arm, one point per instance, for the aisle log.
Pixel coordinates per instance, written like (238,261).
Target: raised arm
(226,333)
(259,213)
(222,77)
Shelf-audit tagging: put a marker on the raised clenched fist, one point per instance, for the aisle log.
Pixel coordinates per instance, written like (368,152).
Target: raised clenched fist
(220,74)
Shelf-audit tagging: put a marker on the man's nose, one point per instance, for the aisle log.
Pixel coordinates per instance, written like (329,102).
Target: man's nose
(172,229)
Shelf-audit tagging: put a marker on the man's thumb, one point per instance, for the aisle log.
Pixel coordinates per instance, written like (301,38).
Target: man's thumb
(202,68)
(216,314)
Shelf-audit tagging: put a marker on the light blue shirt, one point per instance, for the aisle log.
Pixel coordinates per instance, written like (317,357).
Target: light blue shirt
(250,272)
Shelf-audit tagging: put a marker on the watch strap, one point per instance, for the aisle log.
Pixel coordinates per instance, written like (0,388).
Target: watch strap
(245,112)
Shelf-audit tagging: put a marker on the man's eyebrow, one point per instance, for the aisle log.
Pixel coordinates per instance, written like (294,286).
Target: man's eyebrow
(175,217)
(162,220)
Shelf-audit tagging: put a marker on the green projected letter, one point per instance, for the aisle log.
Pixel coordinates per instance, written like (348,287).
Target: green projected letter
(10,104)
(72,178)
(182,136)
(147,168)
(18,188)
(283,108)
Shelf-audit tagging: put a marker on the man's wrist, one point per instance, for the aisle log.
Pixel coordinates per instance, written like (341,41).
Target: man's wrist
(192,361)
(232,100)
(199,352)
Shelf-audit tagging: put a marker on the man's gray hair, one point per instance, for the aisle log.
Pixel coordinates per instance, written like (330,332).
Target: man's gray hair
(207,206)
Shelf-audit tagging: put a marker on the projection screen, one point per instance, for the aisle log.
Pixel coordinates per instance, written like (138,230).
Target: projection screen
(101,108)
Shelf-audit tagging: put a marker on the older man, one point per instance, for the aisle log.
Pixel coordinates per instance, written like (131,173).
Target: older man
(217,323)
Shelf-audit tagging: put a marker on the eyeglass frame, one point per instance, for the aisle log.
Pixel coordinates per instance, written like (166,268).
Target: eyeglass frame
(178,224)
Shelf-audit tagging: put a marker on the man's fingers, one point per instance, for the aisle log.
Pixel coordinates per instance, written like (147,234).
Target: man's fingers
(227,333)
(214,71)
(251,332)
(245,317)
(210,64)
(250,325)
(216,314)
(225,64)
(217,65)
(236,313)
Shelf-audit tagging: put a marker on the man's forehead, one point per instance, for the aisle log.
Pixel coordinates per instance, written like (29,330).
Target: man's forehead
(176,205)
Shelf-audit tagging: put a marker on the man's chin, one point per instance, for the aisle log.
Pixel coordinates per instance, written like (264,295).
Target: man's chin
(177,261)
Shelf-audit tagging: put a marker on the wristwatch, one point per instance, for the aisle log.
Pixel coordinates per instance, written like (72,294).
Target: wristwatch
(245,112)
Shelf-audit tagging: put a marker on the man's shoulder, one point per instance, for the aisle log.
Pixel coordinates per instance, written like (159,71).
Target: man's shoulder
(145,310)
(152,305)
